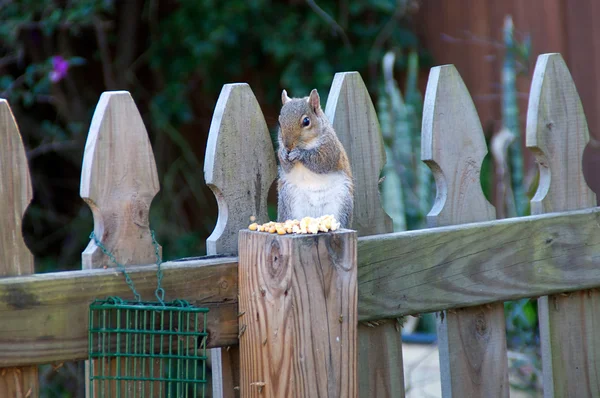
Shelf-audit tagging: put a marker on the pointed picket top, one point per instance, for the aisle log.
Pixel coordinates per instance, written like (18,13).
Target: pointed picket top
(15,257)
(352,114)
(557,133)
(239,165)
(118,182)
(453,146)
(15,196)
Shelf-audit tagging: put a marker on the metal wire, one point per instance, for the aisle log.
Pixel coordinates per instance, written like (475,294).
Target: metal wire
(120,266)
(123,339)
(125,359)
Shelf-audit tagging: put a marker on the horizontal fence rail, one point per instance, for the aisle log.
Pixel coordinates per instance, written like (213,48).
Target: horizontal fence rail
(45,316)
(399,274)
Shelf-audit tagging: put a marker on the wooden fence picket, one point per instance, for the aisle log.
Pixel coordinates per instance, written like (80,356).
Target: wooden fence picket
(240,168)
(353,116)
(239,165)
(557,133)
(472,341)
(118,182)
(15,257)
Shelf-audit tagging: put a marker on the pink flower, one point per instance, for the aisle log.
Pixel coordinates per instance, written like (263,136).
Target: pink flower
(60,66)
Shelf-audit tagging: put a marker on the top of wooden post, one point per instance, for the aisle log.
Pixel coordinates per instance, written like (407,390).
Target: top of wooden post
(15,196)
(352,114)
(239,165)
(118,182)
(557,134)
(453,146)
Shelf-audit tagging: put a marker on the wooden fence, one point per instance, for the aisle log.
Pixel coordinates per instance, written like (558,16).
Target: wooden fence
(464,267)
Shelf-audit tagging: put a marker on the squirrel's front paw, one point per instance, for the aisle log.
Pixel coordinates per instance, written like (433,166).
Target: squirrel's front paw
(283,155)
(294,155)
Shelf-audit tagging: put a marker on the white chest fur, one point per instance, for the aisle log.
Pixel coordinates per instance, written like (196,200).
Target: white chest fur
(314,194)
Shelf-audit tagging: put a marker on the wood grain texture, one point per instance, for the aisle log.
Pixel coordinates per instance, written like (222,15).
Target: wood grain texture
(15,257)
(239,167)
(453,146)
(352,114)
(380,367)
(15,195)
(557,133)
(472,341)
(298,323)
(45,316)
(118,182)
(473,264)
(400,274)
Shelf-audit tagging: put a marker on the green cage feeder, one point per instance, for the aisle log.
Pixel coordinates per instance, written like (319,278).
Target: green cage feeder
(146,348)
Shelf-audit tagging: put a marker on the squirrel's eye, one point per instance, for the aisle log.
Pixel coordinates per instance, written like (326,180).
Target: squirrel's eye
(305,122)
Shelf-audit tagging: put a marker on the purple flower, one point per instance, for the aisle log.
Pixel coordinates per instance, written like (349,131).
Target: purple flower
(60,66)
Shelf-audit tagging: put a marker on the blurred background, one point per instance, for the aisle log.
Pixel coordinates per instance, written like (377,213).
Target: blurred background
(58,56)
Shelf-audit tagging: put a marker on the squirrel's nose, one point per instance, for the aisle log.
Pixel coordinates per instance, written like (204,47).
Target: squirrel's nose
(288,144)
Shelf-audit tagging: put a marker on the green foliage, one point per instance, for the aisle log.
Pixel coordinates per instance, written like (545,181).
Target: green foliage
(516,53)
(284,44)
(408,186)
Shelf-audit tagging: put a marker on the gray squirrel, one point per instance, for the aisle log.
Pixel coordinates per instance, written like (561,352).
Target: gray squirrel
(314,173)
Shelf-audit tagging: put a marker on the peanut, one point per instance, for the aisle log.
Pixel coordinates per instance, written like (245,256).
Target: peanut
(307,225)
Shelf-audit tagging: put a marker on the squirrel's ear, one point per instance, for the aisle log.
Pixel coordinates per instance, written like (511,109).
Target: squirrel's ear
(284,97)
(314,100)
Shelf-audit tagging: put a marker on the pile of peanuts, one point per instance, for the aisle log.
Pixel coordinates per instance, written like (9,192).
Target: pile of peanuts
(307,225)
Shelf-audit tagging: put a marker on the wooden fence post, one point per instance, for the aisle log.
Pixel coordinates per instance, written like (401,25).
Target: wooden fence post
(15,257)
(472,341)
(353,116)
(118,182)
(240,168)
(298,315)
(557,133)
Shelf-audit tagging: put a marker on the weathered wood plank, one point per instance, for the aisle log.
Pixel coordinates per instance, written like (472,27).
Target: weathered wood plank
(45,316)
(118,182)
(298,315)
(15,257)
(473,264)
(453,146)
(399,274)
(240,168)
(557,133)
(353,116)
(472,341)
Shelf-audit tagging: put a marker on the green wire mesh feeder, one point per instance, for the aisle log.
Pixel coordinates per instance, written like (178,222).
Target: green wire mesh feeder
(143,348)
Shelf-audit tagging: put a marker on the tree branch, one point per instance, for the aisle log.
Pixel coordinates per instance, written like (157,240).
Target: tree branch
(327,18)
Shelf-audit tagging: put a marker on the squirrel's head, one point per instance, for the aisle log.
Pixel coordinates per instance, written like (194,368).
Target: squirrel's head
(300,120)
